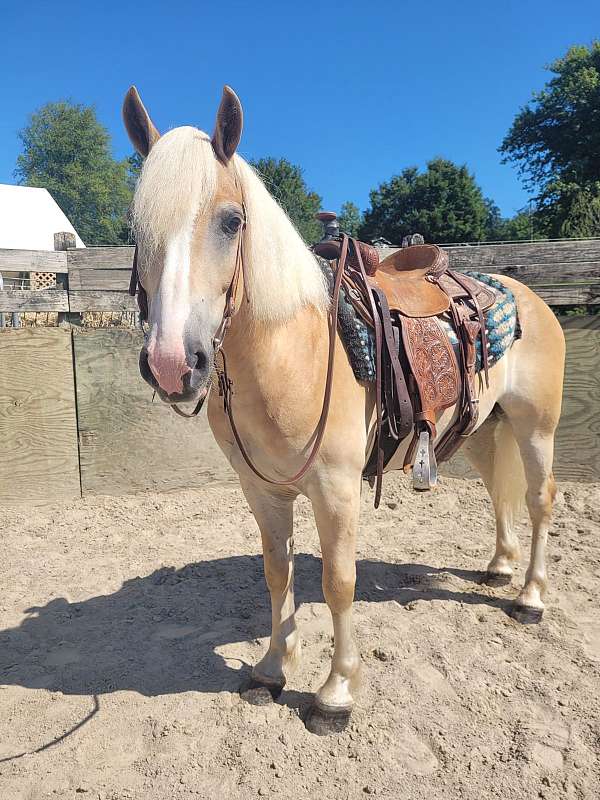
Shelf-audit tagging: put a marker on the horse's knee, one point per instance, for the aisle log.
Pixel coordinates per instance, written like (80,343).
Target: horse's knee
(338,587)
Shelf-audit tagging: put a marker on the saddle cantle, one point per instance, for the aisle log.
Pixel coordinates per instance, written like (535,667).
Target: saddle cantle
(418,373)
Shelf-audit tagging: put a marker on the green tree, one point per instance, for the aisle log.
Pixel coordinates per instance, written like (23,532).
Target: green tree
(67,151)
(134,168)
(523,226)
(443,203)
(350,219)
(554,142)
(286,183)
(582,214)
(494,223)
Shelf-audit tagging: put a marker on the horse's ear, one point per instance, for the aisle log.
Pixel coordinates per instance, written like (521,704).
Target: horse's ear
(141,130)
(228,128)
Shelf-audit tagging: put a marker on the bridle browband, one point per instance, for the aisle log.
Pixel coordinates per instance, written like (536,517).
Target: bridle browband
(225,383)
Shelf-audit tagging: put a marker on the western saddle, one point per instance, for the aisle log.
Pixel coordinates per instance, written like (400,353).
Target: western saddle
(418,372)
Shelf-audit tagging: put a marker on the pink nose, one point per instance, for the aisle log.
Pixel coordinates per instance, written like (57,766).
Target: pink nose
(168,365)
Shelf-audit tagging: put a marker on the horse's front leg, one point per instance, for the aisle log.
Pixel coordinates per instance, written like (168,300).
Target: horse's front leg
(273,511)
(336,508)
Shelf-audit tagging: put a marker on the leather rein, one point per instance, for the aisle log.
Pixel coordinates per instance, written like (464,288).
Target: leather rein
(226,384)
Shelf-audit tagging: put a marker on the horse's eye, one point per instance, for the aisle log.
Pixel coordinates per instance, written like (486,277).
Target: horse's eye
(231,224)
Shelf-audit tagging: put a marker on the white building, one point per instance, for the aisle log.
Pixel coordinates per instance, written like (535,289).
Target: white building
(29,218)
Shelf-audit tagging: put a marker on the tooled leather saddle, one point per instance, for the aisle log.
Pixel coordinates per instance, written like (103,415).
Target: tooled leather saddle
(418,372)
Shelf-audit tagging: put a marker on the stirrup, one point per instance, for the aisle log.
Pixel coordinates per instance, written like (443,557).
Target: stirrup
(425,465)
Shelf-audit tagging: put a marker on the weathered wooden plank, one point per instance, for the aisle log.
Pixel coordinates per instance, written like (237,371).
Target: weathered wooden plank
(32,261)
(96,300)
(466,256)
(569,295)
(36,300)
(579,322)
(530,274)
(129,443)
(491,255)
(476,256)
(100,279)
(536,274)
(578,435)
(524,252)
(38,429)
(101,258)
(90,300)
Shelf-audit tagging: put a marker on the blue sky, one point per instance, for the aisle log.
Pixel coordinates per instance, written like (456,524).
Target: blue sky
(353,92)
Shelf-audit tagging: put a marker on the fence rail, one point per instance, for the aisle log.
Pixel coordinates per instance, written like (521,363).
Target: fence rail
(563,273)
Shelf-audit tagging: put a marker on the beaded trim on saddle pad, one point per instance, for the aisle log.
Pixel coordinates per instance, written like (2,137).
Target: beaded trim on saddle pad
(501,321)
(502,327)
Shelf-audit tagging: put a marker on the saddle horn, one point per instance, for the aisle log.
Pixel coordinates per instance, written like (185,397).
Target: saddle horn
(330,245)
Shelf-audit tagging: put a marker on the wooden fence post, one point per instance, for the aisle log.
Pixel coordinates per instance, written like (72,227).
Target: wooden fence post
(65,240)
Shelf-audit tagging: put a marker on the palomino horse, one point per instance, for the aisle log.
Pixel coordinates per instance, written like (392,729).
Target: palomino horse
(200,209)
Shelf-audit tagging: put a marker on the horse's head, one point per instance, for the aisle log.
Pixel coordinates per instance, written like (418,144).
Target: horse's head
(188,217)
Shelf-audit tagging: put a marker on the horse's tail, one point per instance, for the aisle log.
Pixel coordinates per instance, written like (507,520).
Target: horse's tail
(508,484)
(494,452)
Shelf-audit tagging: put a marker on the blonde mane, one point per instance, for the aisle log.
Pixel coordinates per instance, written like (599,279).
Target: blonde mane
(178,183)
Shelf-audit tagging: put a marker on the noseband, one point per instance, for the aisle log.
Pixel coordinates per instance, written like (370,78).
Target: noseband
(225,383)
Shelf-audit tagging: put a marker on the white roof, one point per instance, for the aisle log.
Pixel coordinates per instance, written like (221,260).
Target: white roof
(29,218)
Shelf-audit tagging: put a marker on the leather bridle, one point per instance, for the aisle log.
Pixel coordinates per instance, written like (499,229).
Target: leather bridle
(225,383)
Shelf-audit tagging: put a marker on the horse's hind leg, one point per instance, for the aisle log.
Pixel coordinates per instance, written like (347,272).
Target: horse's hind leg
(537,448)
(494,453)
(532,405)
(273,511)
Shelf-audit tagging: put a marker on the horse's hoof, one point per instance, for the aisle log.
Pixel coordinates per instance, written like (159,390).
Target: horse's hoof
(496,579)
(526,615)
(261,694)
(325,723)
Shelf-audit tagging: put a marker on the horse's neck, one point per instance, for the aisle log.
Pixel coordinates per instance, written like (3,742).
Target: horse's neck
(260,354)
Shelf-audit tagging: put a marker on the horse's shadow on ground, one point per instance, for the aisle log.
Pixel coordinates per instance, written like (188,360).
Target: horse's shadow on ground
(160,634)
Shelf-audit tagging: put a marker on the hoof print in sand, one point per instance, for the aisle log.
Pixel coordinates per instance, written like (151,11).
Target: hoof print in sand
(258,694)
(323,723)
(495,580)
(526,615)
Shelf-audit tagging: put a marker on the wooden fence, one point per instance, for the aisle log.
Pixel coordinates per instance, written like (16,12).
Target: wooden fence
(75,416)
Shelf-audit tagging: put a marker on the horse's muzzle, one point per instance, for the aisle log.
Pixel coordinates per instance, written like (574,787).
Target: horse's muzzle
(193,382)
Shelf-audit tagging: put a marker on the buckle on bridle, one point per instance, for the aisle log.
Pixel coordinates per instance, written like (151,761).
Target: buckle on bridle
(219,336)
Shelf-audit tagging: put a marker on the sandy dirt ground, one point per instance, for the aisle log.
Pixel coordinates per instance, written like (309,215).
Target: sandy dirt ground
(127,626)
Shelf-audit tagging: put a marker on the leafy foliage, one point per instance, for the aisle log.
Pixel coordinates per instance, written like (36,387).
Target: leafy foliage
(286,183)
(67,151)
(350,219)
(523,226)
(134,168)
(443,203)
(555,143)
